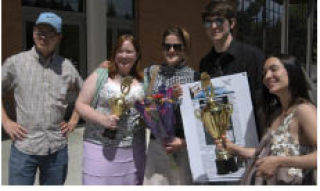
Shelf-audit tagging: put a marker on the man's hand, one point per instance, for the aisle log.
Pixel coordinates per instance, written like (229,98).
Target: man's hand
(14,130)
(67,128)
(175,145)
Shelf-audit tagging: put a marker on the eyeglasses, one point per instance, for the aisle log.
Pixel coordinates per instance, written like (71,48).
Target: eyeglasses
(218,21)
(176,47)
(47,35)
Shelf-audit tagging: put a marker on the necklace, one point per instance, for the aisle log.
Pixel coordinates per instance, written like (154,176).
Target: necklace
(120,77)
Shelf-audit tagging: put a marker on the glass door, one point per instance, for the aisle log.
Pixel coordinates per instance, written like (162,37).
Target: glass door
(73,44)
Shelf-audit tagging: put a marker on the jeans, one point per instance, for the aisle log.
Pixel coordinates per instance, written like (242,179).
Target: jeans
(23,167)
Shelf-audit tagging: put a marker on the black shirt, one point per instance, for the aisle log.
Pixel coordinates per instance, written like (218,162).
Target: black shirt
(239,57)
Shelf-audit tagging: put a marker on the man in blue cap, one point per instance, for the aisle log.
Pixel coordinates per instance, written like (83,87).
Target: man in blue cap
(41,81)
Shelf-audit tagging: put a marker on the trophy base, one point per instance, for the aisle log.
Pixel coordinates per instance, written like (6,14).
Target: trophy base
(232,165)
(111,134)
(222,167)
(226,166)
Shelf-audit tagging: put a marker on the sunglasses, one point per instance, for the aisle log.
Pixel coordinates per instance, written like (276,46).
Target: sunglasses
(47,35)
(176,47)
(218,21)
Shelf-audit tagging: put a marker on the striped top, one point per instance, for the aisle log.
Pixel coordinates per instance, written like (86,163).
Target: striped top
(41,90)
(168,76)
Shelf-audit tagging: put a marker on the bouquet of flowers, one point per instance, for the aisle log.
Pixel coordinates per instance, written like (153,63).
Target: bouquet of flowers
(158,114)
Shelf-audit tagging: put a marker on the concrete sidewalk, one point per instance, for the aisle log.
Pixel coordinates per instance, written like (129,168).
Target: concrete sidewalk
(75,146)
(75,158)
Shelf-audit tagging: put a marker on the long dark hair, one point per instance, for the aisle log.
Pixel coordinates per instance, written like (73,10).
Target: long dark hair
(298,87)
(113,69)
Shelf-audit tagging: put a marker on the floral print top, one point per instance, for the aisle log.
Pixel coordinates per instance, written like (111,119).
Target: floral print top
(283,144)
(278,142)
(129,128)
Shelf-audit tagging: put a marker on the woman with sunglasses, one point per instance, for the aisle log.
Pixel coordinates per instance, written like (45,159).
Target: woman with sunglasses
(167,163)
(287,153)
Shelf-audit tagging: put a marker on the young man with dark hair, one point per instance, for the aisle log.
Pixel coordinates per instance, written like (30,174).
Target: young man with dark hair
(229,56)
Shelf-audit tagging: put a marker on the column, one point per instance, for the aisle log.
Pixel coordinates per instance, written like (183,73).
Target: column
(96,33)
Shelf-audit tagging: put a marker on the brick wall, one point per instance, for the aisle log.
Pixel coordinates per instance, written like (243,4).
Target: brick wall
(11,41)
(155,16)
(11,28)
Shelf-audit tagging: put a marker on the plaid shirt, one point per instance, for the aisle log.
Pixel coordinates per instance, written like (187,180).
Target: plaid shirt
(41,88)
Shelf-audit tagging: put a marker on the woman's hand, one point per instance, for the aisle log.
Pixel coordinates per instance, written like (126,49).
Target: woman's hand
(228,144)
(267,166)
(177,90)
(238,150)
(67,127)
(175,145)
(105,64)
(111,121)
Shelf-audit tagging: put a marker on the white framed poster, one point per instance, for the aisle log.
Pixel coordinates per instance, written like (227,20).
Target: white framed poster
(242,130)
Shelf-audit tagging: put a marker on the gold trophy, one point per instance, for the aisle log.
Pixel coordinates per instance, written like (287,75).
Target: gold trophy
(118,105)
(216,119)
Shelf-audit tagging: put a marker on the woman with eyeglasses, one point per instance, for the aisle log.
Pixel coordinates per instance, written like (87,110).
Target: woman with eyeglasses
(167,163)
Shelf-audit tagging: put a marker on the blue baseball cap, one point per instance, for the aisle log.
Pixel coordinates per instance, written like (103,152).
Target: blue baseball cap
(50,18)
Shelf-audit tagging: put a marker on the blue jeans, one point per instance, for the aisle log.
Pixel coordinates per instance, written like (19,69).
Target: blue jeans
(23,167)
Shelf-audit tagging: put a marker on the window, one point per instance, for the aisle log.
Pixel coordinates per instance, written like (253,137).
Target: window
(259,24)
(298,30)
(120,20)
(61,5)
(120,9)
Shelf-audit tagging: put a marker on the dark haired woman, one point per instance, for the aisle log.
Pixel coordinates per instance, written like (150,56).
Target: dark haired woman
(287,153)
(168,163)
(118,156)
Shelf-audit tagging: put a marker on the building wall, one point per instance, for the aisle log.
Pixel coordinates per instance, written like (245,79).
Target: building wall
(155,16)
(11,40)
(11,27)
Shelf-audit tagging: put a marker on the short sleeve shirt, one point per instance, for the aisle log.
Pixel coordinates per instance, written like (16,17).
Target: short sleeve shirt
(41,89)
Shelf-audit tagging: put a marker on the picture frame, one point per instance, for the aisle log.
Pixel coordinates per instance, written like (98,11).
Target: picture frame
(233,89)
